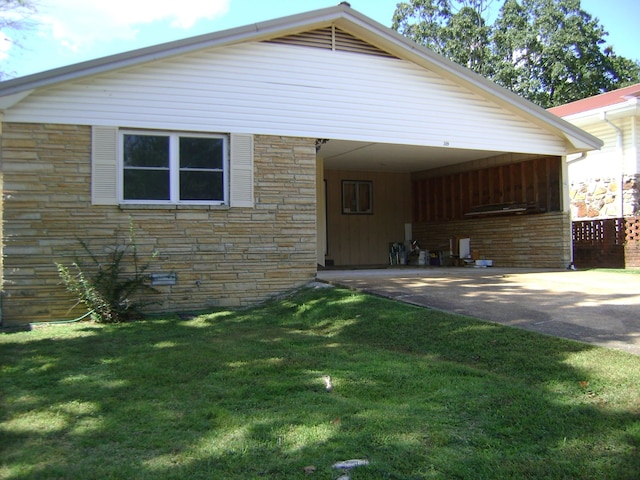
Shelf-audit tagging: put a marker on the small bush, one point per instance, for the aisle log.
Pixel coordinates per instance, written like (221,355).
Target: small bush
(104,286)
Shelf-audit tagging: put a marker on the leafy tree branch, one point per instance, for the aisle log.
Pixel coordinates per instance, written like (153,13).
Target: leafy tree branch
(548,51)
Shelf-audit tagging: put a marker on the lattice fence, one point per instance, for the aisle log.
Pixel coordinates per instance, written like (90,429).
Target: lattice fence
(607,243)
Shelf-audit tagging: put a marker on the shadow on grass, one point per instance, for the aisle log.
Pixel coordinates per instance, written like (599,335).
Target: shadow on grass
(565,304)
(419,393)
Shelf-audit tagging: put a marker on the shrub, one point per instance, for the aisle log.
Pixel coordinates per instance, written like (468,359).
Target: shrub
(108,291)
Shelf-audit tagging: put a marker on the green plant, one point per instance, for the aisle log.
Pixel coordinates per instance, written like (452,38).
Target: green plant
(109,287)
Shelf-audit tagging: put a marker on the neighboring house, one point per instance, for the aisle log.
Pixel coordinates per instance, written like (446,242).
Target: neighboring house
(247,158)
(606,183)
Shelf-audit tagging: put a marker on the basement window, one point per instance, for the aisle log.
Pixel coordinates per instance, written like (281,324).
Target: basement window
(357,197)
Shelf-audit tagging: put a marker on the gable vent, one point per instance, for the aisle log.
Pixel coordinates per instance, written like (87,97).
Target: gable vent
(332,38)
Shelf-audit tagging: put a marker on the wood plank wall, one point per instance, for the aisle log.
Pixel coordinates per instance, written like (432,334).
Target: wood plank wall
(364,239)
(535,182)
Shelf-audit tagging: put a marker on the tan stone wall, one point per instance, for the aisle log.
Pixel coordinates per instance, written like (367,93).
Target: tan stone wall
(522,241)
(222,257)
(600,198)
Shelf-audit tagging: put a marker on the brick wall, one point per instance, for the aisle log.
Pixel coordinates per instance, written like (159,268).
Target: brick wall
(607,243)
(222,257)
(632,242)
(510,241)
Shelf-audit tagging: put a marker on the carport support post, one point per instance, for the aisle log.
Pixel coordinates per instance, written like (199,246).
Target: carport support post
(566,206)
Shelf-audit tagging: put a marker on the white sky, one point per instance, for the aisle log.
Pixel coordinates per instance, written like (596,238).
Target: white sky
(71,31)
(77,24)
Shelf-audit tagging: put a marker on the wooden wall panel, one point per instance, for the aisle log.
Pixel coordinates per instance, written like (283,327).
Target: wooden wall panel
(364,239)
(536,183)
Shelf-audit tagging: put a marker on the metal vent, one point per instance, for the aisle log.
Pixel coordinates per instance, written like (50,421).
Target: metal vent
(332,38)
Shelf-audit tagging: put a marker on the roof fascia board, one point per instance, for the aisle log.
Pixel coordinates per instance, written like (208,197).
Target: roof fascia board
(628,109)
(9,101)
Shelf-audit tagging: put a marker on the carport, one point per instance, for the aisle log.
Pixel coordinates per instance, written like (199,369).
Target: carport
(511,206)
(411,146)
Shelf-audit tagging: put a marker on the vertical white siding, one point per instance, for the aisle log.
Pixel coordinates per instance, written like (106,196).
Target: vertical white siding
(293,91)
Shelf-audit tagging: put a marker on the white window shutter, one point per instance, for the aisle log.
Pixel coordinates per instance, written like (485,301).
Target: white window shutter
(241,171)
(104,166)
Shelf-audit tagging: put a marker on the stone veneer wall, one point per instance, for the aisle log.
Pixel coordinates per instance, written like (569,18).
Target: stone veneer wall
(542,240)
(600,198)
(222,256)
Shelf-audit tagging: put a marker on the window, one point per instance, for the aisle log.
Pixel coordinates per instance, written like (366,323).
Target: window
(357,197)
(174,168)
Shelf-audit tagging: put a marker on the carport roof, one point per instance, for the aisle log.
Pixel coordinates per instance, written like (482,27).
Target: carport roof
(342,16)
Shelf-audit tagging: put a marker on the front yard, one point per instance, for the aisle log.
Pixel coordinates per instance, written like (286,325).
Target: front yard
(240,394)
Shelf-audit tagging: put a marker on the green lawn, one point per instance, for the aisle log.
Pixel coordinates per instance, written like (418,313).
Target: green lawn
(240,395)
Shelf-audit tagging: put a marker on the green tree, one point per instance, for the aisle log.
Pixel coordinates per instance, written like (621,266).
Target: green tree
(625,71)
(467,40)
(456,29)
(551,52)
(548,51)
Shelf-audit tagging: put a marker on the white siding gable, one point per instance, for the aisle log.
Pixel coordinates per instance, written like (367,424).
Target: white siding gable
(295,91)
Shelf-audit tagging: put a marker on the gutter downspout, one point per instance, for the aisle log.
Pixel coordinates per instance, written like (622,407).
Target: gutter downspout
(582,156)
(567,201)
(620,150)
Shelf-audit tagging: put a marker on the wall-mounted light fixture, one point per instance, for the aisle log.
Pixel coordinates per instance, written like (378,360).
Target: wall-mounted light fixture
(320,142)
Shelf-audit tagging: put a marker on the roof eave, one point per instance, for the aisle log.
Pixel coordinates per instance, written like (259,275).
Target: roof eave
(620,110)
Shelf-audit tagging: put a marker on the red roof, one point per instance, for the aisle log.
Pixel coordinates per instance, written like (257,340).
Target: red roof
(598,101)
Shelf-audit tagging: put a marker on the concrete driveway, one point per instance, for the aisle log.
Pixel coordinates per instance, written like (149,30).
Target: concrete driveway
(597,307)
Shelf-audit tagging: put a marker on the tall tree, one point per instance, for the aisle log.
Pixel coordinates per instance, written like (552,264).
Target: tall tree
(551,51)
(456,29)
(624,70)
(548,51)
(467,40)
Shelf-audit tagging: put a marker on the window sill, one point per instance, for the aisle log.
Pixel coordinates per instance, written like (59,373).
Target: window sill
(142,206)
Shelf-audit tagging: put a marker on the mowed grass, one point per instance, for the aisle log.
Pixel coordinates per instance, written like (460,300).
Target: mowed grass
(240,395)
